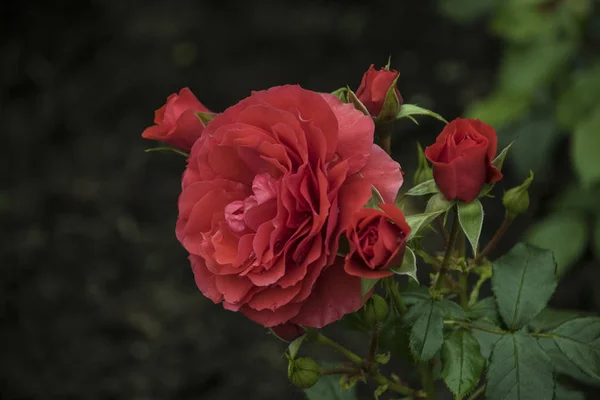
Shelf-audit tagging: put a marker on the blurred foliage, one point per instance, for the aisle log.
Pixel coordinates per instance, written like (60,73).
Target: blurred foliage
(547,96)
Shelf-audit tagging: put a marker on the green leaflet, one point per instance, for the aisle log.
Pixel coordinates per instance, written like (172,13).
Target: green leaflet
(462,362)
(519,369)
(523,281)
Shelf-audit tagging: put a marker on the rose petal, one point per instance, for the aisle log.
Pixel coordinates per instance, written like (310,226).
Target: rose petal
(335,294)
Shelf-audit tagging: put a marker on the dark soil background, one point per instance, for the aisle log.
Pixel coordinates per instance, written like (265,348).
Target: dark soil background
(97,300)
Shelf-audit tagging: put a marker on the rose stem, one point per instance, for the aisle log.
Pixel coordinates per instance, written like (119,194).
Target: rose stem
(320,338)
(490,246)
(463,277)
(372,346)
(440,223)
(386,143)
(376,375)
(427,379)
(340,371)
(384,131)
(449,249)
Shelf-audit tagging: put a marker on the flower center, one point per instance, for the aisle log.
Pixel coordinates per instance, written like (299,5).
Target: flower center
(237,212)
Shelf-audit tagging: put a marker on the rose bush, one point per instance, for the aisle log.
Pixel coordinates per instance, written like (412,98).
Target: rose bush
(462,158)
(176,121)
(270,186)
(374,87)
(377,241)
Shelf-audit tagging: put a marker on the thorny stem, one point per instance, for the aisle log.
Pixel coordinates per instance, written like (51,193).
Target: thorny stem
(396,387)
(339,371)
(320,338)
(360,363)
(449,249)
(497,236)
(463,278)
(396,299)
(384,132)
(427,379)
(372,346)
(440,223)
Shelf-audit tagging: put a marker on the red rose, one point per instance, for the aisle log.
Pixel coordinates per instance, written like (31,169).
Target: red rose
(377,241)
(462,158)
(270,186)
(374,87)
(176,122)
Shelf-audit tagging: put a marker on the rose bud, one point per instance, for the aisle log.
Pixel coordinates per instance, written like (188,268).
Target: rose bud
(462,159)
(303,372)
(377,241)
(176,122)
(373,91)
(516,200)
(376,310)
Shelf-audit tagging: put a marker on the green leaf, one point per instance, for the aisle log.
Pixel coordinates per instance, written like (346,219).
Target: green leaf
(341,93)
(451,310)
(391,104)
(354,321)
(580,98)
(563,392)
(564,366)
(418,222)
(295,345)
(523,24)
(541,133)
(352,98)
(414,293)
(375,199)
(379,391)
(394,336)
(550,318)
(408,110)
(366,285)
(485,338)
(427,333)
(485,308)
(596,238)
(167,148)
(438,203)
(462,362)
(427,187)
(579,340)
(409,265)
(466,11)
(328,388)
(519,369)
(205,117)
(498,162)
(523,281)
(383,358)
(571,228)
(585,148)
(470,216)
(500,109)
(525,69)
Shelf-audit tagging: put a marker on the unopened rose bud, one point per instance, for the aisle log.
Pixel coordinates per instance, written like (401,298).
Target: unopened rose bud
(303,372)
(376,310)
(516,200)
(424,172)
(379,93)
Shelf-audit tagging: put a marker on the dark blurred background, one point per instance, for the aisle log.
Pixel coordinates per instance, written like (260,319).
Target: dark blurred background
(97,300)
